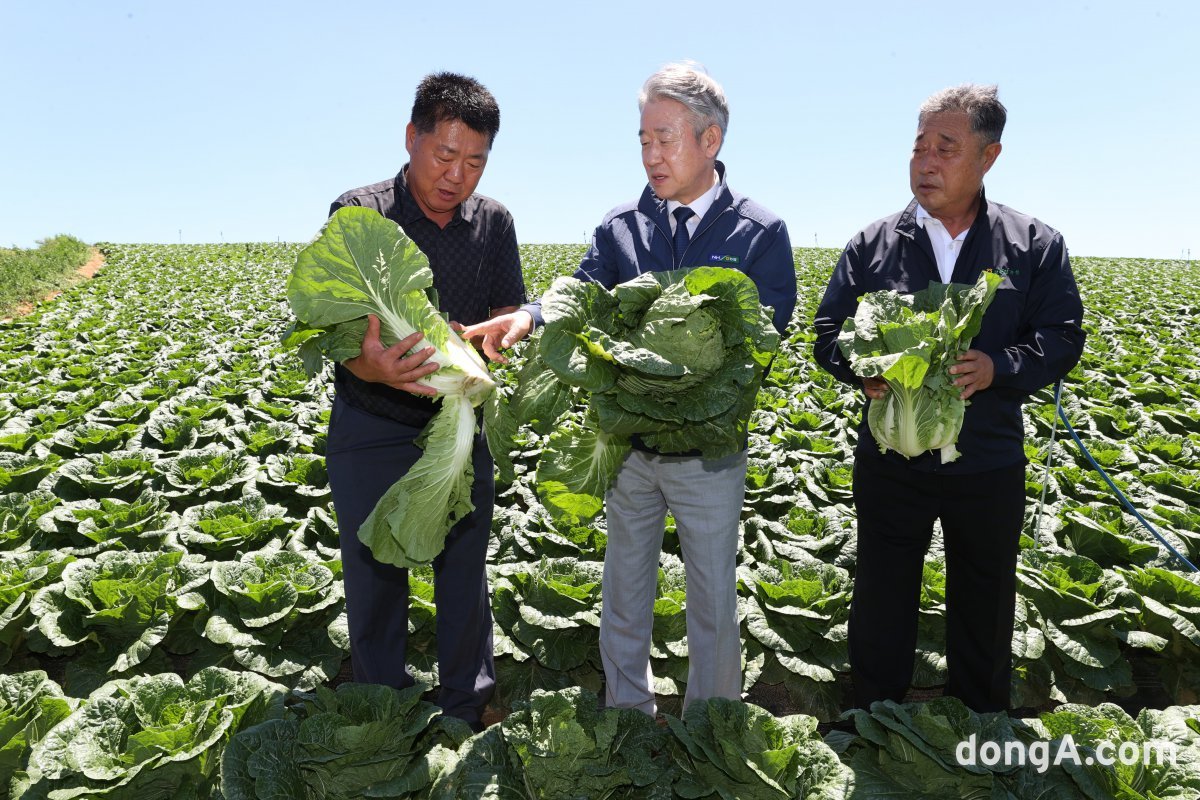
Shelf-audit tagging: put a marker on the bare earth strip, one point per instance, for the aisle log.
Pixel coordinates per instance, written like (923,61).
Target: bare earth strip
(86,272)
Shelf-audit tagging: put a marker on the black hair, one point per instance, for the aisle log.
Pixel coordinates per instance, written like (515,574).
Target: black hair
(449,96)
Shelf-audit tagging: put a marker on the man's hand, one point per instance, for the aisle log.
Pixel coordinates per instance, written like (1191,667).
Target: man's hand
(975,370)
(500,332)
(390,365)
(876,388)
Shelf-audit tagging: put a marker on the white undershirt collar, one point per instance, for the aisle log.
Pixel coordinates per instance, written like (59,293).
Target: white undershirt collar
(700,206)
(945,249)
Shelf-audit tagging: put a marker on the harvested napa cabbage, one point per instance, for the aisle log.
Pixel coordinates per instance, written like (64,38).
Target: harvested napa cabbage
(911,341)
(362,263)
(674,358)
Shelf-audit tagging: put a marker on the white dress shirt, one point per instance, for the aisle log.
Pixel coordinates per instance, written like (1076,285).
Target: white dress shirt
(699,206)
(945,249)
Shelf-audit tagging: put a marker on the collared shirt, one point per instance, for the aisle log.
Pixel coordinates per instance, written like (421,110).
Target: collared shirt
(945,249)
(476,268)
(635,238)
(699,206)
(1033,329)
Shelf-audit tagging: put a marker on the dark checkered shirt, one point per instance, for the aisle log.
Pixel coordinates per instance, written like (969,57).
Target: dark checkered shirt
(476,268)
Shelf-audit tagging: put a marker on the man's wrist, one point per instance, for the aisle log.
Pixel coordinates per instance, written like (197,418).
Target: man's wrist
(1002,368)
(534,310)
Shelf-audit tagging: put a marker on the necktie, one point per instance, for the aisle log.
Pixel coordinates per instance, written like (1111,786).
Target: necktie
(681,239)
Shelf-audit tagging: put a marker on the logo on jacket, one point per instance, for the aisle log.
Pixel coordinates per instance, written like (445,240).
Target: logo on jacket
(717,259)
(1003,272)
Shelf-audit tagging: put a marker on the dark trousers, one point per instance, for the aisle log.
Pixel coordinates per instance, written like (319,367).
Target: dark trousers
(365,455)
(981,516)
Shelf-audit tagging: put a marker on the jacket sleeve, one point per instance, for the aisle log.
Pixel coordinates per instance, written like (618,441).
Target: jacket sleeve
(839,303)
(596,266)
(774,273)
(1051,336)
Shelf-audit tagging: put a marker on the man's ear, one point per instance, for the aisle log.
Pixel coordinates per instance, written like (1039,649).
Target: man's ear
(710,140)
(410,138)
(990,153)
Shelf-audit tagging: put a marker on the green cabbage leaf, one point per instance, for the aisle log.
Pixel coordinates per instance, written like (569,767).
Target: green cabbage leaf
(911,341)
(674,358)
(360,264)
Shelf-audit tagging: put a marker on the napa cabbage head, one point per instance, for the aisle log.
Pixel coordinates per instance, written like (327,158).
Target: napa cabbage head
(673,358)
(360,264)
(911,341)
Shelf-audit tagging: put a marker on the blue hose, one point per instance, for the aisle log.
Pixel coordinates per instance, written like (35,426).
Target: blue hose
(1120,495)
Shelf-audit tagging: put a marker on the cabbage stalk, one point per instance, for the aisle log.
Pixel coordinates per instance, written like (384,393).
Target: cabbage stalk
(360,264)
(911,341)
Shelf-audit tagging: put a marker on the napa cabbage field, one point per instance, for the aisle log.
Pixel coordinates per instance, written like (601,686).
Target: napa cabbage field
(172,619)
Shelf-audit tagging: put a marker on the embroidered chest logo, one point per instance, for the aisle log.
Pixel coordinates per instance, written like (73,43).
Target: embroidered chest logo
(1003,272)
(719,259)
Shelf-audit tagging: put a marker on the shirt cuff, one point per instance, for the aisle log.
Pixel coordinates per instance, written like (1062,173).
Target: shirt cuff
(534,310)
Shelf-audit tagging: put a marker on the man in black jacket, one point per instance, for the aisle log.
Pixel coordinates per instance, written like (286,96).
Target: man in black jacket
(1031,337)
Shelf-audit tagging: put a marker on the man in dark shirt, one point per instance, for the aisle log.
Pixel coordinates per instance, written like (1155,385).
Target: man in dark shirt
(1030,337)
(380,408)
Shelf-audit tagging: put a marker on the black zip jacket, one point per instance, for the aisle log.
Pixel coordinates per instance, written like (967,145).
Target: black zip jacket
(1032,331)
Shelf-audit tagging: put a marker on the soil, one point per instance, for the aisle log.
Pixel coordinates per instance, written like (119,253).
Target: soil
(86,272)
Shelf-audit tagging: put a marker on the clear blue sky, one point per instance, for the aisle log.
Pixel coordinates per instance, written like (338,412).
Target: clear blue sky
(240,121)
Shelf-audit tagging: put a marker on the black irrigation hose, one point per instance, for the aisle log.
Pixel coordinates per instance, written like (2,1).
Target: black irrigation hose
(1120,495)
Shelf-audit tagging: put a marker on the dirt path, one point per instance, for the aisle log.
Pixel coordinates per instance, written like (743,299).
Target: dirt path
(86,272)
(93,265)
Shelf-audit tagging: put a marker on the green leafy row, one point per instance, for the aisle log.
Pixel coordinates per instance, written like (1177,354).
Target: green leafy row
(154,433)
(237,736)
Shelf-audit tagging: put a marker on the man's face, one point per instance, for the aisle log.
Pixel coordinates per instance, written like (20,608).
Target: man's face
(948,163)
(444,166)
(679,165)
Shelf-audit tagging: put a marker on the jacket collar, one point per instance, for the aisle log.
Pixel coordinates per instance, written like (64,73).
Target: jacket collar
(409,211)
(650,204)
(907,224)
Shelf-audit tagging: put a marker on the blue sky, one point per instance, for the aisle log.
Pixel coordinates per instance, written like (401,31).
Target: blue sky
(240,121)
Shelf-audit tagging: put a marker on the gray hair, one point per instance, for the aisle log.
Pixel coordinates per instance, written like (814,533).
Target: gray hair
(687,82)
(980,103)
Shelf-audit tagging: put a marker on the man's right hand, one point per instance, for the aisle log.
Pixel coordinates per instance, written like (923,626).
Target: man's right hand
(502,331)
(875,388)
(391,365)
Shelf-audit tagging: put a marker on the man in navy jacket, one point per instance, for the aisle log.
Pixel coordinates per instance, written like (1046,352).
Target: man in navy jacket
(686,217)
(1031,337)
